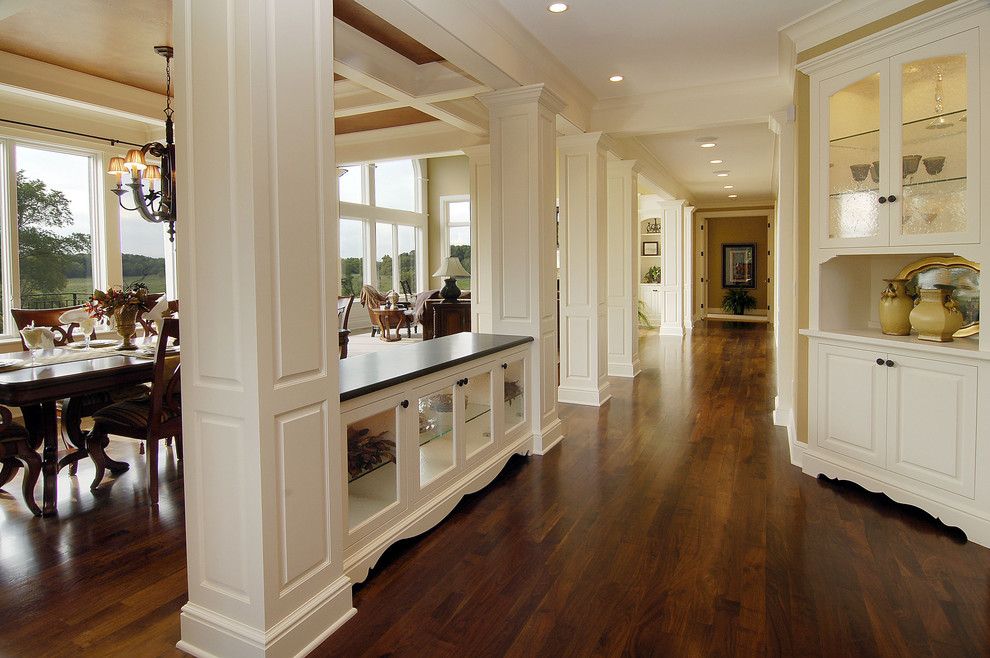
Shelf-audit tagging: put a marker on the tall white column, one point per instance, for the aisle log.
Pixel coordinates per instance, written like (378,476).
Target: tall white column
(257,231)
(480,175)
(622,271)
(672,268)
(785,268)
(582,189)
(524,299)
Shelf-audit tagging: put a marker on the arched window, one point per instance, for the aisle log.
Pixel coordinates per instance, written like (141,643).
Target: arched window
(396,185)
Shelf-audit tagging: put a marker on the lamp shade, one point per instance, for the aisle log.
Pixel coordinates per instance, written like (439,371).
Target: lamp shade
(135,160)
(116,167)
(450,268)
(152,172)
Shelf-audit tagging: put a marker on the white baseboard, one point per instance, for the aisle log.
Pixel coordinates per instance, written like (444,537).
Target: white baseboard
(209,634)
(785,418)
(586,397)
(548,438)
(675,331)
(627,370)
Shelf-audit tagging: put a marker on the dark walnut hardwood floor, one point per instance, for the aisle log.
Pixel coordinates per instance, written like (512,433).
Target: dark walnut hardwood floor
(669,522)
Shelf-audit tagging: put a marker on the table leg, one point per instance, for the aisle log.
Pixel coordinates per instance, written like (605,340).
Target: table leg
(49,457)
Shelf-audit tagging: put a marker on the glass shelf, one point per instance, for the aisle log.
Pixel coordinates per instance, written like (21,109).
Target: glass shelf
(876,131)
(442,422)
(904,185)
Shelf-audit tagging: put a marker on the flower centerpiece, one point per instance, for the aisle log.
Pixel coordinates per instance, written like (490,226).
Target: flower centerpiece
(121,306)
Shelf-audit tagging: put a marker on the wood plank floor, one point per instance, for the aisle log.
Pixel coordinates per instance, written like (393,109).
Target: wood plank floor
(669,522)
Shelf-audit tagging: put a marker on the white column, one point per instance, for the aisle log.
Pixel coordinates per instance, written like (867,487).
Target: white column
(687,264)
(672,268)
(480,174)
(524,299)
(257,231)
(582,189)
(785,270)
(622,272)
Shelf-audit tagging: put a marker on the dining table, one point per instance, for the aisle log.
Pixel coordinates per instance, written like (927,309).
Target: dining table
(39,381)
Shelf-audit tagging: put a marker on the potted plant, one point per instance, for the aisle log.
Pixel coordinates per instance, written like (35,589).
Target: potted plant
(122,305)
(652,275)
(737,301)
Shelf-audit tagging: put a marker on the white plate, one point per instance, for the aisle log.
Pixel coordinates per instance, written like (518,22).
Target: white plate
(100,343)
(10,363)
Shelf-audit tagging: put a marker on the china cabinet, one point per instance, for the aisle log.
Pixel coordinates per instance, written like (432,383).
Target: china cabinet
(415,448)
(896,154)
(652,297)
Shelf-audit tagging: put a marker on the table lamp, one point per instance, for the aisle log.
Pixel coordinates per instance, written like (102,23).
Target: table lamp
(450,269)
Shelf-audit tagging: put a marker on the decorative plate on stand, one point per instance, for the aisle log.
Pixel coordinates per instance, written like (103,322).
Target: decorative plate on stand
(956,271)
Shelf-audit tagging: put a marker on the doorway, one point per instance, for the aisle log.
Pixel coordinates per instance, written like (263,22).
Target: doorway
(734,254)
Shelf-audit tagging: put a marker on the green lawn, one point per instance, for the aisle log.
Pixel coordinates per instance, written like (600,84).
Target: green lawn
(155,283)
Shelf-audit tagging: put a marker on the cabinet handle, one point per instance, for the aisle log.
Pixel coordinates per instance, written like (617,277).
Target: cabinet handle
(505,366)
(882,199)
(879,362)
(892,198)
(404,404)
(889,363)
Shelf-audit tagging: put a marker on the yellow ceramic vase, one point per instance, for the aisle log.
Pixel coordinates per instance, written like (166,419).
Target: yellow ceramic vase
(895,308)
(936,317)
(124,321)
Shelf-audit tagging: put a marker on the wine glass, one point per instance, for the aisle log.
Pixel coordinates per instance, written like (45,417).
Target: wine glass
(33,338)
(87,325)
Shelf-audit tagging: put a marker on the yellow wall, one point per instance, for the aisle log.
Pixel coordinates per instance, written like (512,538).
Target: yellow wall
(736,230)
(445,176)
(802,100)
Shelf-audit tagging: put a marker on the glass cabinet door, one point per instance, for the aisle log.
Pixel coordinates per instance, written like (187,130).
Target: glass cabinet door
(935,88)
(477,392)
(514,394)
(856,176)
(372,466)
(436,434)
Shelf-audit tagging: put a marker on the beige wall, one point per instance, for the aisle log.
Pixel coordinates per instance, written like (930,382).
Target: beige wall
(802,100)
(445,176)
(736,230)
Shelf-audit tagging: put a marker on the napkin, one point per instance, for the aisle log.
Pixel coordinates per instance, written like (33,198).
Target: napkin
(47,338)
(75,315)
(156,312)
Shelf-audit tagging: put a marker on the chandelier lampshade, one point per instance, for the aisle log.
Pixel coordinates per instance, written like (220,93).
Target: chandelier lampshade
(116,167)
(135,161)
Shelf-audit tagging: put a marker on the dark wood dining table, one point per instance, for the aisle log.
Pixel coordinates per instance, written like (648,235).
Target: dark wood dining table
(36,390)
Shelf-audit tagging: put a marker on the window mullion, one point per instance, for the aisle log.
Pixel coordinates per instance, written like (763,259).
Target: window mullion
(395,257)
(9,246)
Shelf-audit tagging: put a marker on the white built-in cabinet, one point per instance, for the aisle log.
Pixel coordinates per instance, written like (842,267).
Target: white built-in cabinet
(897,149)
(652,297)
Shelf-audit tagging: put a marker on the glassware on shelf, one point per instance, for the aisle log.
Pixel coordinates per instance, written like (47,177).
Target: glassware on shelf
(875,171)
(934,165)
(909,166)
(854,138)
(859,172)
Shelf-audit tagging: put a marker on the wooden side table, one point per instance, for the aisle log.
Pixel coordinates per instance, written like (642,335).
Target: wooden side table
(389,321)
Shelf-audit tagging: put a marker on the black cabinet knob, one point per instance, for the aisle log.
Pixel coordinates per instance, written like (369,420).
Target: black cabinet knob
(889,363)
(879,362)
(882,199)
(505,366)
(892,198)
(404,404)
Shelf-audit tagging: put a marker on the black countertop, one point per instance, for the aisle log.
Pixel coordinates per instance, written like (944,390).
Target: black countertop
(367,373)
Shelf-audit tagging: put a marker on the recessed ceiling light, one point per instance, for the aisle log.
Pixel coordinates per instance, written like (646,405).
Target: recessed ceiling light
(557,8)
(616,78)
(733,196)
(722,174)
(708,145)
(716,161)
(727,187)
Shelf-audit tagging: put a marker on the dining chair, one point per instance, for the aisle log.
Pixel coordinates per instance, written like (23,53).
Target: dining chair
(371,298)
(150,300)
(344,304)
(16,451)
(150,419)
(74,409)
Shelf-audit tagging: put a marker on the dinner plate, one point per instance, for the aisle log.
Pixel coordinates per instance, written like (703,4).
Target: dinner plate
(10,363)
(80,345)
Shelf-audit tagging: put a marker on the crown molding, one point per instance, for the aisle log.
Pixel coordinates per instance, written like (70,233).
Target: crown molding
(536,93)
(892,39)
(836,19)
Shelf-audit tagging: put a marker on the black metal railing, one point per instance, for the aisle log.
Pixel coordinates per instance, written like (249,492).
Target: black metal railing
(54,300)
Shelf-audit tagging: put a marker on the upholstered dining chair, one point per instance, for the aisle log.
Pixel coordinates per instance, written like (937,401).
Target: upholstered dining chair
(150,419)
(15,451)
(74,409)
(344,305)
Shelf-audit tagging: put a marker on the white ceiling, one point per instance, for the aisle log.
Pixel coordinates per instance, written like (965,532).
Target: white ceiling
(746,150)
(662,44)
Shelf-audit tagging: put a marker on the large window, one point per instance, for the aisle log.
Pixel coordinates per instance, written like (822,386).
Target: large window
(56,208)
(457,231)
(383,231)
(351,256)
(143,249)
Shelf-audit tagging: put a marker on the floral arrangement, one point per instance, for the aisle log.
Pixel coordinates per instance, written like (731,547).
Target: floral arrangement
(116,299)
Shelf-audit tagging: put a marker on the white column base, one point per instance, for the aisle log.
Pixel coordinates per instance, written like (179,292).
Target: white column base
(594,397)
(208,634)
(675,330)
(629,370)
(548,438)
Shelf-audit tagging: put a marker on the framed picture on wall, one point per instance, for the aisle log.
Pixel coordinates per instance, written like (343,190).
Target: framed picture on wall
(651,248)
(738,265)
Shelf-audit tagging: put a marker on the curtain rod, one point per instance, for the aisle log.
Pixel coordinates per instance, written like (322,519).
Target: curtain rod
(111,141)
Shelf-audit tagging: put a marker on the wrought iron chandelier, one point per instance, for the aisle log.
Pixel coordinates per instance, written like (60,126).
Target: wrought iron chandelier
(654,225)
(155,206)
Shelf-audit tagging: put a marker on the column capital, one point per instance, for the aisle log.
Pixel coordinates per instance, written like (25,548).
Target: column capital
(481,153)
(581,142)
(631,167)
(780,118)
(536,94)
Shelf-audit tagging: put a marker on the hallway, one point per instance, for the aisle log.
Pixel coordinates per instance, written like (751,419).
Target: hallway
(670,522)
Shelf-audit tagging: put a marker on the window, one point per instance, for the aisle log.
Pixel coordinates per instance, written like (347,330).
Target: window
(384,256)
(407,257)
(143,249)
(56,208)
(351,184)
(352,245)
(395,185)
(457,231)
